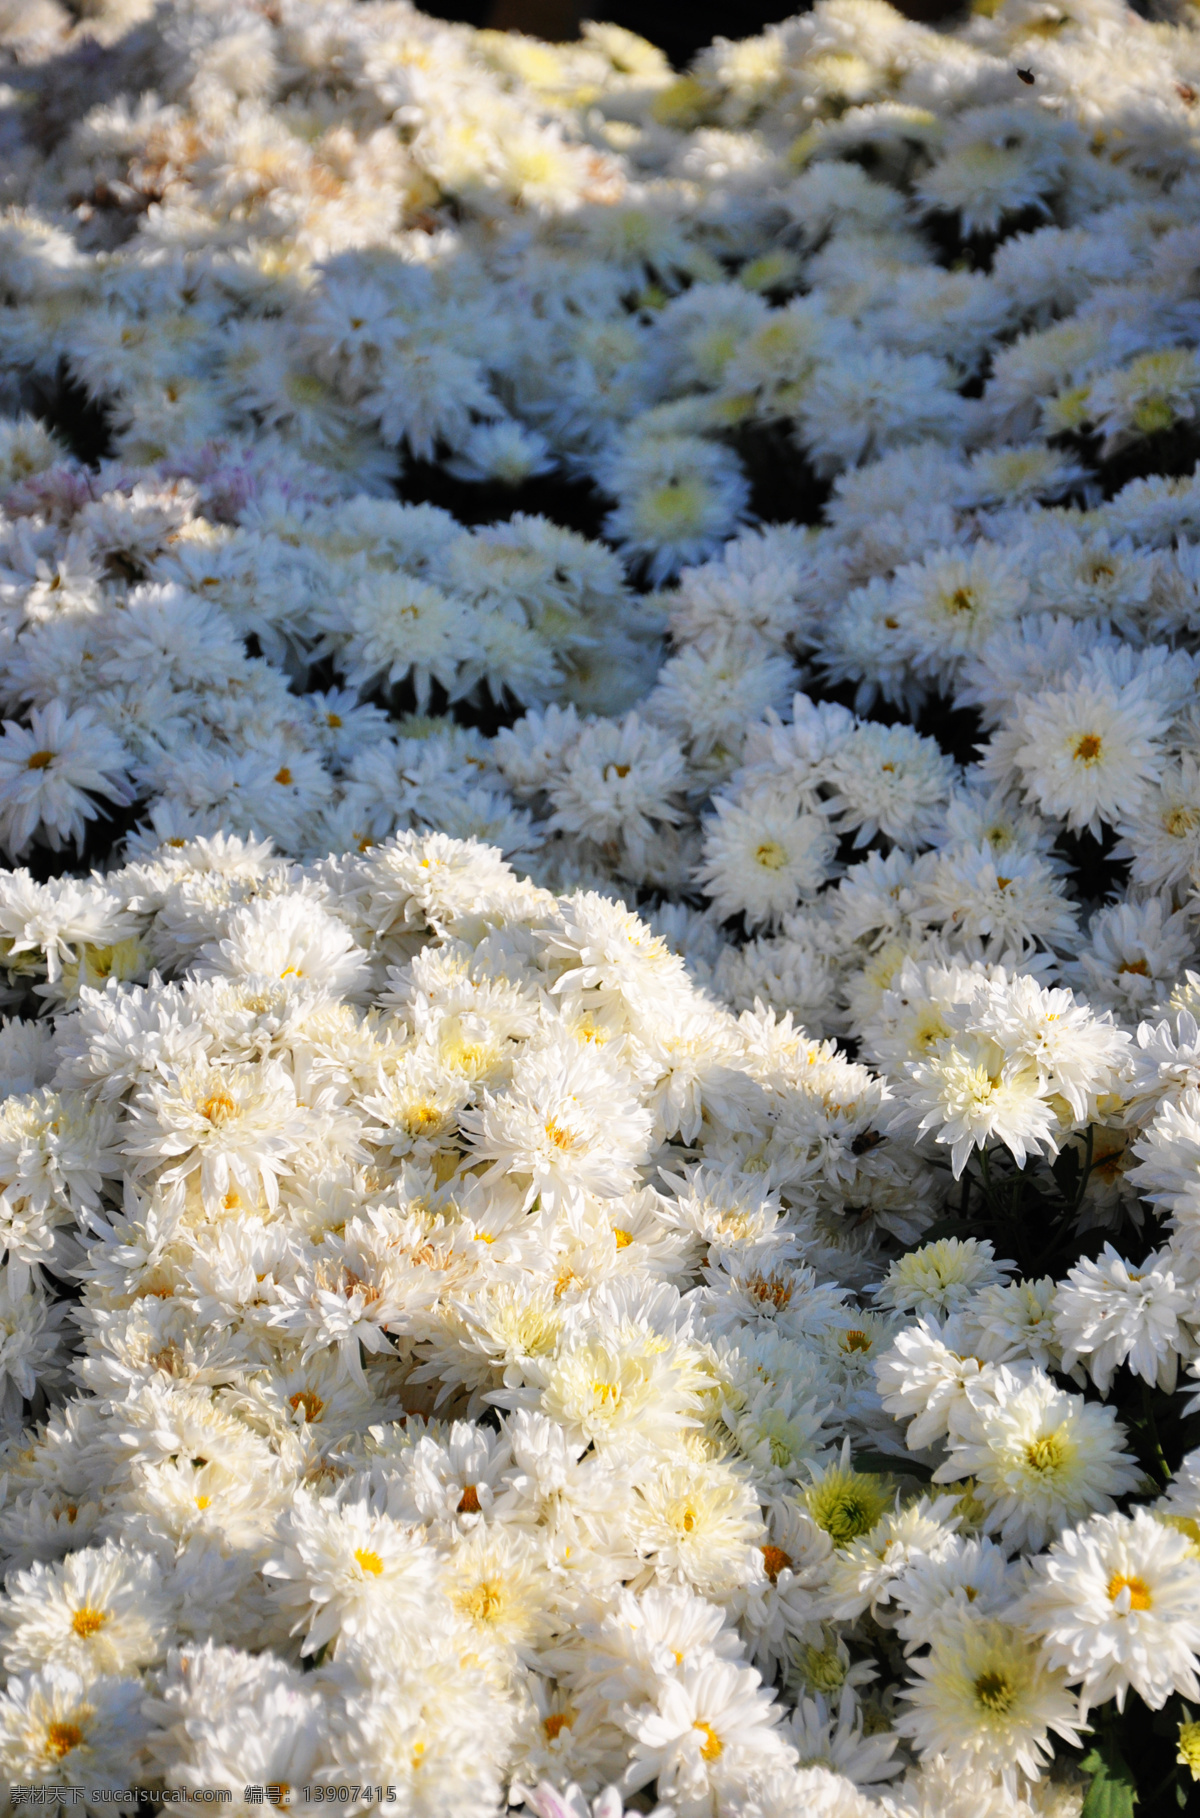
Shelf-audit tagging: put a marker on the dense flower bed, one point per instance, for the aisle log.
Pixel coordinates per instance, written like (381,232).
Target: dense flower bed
(600,1160)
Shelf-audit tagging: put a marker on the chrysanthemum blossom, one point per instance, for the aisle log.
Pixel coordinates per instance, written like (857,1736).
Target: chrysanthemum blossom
(973,1095)
(100,1610)
(1108,1313)
(1040,1458)
(236,1127)
(762,856)
(1115,1605)
(709,1730)
(569,1124)
(345,1570)
(50,773)
(982,1698)
(1088,753)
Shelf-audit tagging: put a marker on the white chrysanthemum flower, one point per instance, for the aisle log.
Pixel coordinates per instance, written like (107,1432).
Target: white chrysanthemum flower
(1011,901)
(349,1572)
(920,1377)
(1088,753)
(710,1730)
(32,1349)
(633,1396)
(1115,1604)
(620,783)
(601,949)
(1151,394)
(698,1525)
(393,627)
(679,497)
(287,937)
(236,1127)
(1107,1313)
(1133,954)
(506,453)
(1039,1457)
(762,856)
(1166,1171)
(890,780)
(1014,1320)
(102,1610)
(1078,1055)
(222,1717)
(431,1725)
(950,603)
(1162,836)
(832,1736)
(707,698)
(498,1582)
(861,403)
(568,1123)
(50,771)
(983,1699)
(971,1095)
(962,1579)
(57,1729)
(864,1573)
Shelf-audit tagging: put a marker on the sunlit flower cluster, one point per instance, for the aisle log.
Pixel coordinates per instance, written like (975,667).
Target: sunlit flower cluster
(600,1120)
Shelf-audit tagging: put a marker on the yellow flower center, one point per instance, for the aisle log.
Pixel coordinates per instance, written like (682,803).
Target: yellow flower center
(856,1341)
(305,1400)
(218,1108)
(608,1394)
(61,1738)
(995,1692)
(1046,1453)
(623,1238)
(1088,748)
(39,760)
(369,1561)
(770,855)
(88,1622)
(771,1290)
(559,1135)
(468,1502)
(556,1722)
(775,1561)
(1139,1590)
(846,1505)
(422,1118)
(484,1602)
(712,1746)
(961,600)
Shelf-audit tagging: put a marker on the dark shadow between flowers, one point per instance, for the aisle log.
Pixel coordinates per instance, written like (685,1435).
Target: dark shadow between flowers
(953,248)
(1097,875)
(784,487)
(573,504)
(64,406)
(1169,453)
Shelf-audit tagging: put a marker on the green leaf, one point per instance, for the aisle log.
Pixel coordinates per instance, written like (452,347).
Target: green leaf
(1112,1793)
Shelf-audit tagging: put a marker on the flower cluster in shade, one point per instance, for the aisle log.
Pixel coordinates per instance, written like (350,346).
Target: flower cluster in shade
(497,1013)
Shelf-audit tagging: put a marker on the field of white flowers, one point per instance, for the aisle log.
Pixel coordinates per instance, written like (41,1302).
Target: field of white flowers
(600,1138)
